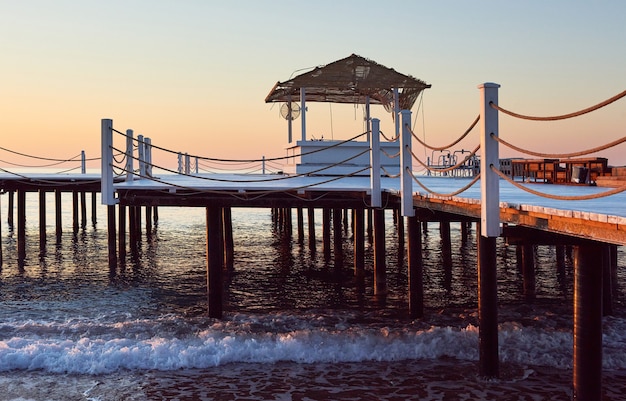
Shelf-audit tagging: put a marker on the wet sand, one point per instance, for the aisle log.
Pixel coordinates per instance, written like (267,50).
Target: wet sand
(447,379)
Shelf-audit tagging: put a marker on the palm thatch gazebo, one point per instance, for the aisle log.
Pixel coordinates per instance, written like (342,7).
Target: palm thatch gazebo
(352,80)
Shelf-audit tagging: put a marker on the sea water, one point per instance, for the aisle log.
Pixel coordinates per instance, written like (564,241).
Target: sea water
(295,326)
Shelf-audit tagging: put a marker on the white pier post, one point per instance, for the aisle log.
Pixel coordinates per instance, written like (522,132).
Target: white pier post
(106,186)
(396,110)
(489,360)
(148,142)
(187,164)
(263,165)
(180,163)
(489,180)
(303,112)
(129,155)
(83,168)
(376,198)
(406,163)
(141,156)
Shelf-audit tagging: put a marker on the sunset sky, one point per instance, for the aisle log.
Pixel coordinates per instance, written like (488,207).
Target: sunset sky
(193,75)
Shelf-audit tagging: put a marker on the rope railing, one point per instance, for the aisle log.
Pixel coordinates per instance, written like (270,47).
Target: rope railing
(560,117)
(51,183)
(447,195)
(559,155)
(389,155)
(471,127)
(446,169)
(239,195)
(395,139)
(558,197)
(214,159)
(279,178)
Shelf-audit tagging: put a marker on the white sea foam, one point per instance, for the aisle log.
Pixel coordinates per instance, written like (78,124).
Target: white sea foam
(128,345)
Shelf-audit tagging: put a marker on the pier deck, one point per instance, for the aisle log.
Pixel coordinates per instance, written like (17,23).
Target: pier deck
(602,219)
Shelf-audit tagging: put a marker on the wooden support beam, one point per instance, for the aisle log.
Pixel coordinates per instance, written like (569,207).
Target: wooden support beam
(111,236)
(229,246)
(74,212)
(42,220)
(83,209)
(10,209)
(487,307)
(587,323)
(58,214)
(337,238)
(326,233)
(214,262)
(380,270)
(122,232)
(21,225)
(415,269)
(359,243)
(300,222)
(311,227)
(94,208)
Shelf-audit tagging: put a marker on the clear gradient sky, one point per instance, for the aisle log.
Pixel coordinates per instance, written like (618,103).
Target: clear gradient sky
(193,75)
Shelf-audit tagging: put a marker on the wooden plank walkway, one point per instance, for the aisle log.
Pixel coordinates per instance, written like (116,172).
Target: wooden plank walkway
(602,219)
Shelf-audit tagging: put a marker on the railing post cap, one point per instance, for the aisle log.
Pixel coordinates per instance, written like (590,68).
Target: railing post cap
(489,85)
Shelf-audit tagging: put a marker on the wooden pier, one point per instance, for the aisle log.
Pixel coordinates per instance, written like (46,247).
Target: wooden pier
(360,184)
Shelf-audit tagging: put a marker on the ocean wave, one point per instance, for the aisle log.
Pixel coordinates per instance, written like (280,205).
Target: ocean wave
(128,345)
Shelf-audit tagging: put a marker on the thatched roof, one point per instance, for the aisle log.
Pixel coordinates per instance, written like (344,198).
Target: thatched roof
(350,80)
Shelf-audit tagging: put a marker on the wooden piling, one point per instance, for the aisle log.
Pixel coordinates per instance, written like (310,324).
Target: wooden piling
(214,265)
(415,269)
(42,220)
(311,227)
(83,210)
(10,209)
(607,291)
(122,232)
(487,307)
(111,236)
(21,224)
(326,233)
(58,215)
(148,220)
(380,273)
(74,212)
(337,238)
(359,243)
(300,222)
(587,323)
(446,252)
(94,208)
(229,246)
